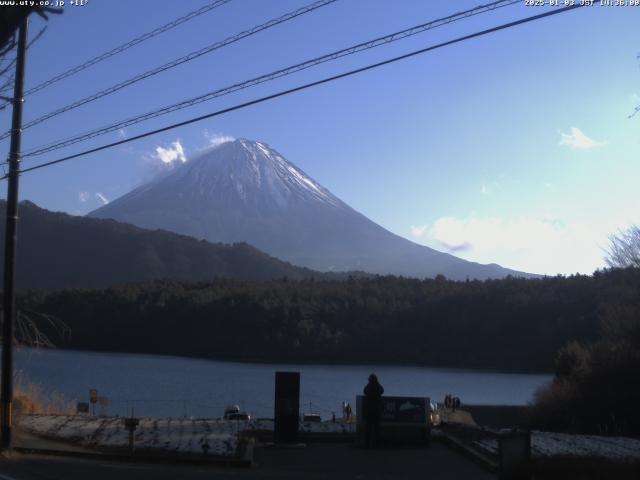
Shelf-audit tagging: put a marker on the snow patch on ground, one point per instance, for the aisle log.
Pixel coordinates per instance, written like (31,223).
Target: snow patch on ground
(551,444)
(306,427)
(183,435)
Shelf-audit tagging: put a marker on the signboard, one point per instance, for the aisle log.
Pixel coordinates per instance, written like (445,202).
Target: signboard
(287,407)
(131,423)
(93,395)
(404,420)
(405,410)
(82,407)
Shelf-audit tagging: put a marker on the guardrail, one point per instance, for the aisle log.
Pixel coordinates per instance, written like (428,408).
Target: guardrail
(507,452)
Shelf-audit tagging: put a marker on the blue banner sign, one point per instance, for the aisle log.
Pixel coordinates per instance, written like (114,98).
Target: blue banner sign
(405,409)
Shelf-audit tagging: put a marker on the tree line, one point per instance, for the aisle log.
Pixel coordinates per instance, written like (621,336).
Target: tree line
(511,324)
(596,387)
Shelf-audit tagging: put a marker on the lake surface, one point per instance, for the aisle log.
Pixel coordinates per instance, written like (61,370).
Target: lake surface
(176,386)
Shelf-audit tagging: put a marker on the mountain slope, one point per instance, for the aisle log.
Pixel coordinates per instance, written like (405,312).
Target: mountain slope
(246,191)
(59,250)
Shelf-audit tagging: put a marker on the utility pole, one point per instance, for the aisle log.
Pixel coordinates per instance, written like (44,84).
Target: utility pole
(8,291)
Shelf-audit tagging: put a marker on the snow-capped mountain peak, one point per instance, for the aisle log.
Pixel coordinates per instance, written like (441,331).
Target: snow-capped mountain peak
(252,171)
(245,191)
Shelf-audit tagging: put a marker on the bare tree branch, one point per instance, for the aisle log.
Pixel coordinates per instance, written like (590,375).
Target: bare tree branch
(624,248)
(31,327)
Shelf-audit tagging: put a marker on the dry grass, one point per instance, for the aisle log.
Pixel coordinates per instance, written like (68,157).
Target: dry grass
(448,415)
(29,398)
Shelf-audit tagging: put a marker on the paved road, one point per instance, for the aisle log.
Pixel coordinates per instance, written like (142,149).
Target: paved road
(435,462)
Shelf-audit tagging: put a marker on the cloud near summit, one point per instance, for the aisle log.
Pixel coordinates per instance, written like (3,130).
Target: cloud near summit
(216,139)
(173,153)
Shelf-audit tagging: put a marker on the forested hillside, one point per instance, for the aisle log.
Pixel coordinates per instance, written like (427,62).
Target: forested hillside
(596,387)
(509,324)
(59,250)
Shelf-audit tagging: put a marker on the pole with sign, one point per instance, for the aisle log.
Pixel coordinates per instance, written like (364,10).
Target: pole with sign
(131,424)
(93,399)
(103,402)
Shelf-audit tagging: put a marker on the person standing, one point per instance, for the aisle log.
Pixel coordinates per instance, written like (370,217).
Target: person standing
(372,410)
(348,411)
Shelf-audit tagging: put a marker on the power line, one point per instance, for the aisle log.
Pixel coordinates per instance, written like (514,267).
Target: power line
(125,46)
(307,85)
(179,61)
(9,83)
(270,76)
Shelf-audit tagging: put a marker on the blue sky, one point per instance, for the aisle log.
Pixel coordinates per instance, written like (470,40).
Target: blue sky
(514,148)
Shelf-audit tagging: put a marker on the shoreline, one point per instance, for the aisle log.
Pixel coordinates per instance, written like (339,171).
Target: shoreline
(261,361)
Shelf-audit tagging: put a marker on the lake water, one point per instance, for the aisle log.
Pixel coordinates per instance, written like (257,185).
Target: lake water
(176,386)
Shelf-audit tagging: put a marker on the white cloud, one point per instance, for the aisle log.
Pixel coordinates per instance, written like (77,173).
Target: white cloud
(419,230)
(216,139)
(577,139)
(122,134)
(102,198)
(174,153)
(538,245)
(162,160)
(493,187)
(84,196)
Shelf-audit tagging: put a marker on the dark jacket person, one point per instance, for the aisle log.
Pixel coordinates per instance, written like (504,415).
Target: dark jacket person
(372,410)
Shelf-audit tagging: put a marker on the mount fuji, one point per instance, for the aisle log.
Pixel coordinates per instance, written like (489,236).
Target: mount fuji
(245,191)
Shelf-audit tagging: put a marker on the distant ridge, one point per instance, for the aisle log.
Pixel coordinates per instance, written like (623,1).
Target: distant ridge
(246,191)
(60,250)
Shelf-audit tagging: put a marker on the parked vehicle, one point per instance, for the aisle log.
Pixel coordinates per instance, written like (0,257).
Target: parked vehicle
(311,417)
(232,412)
(239,416)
